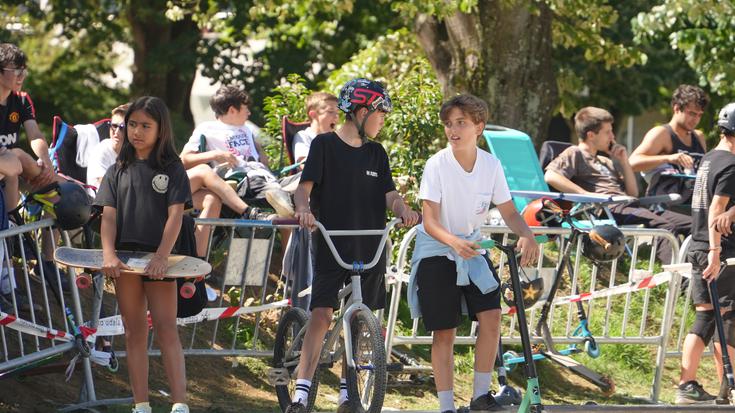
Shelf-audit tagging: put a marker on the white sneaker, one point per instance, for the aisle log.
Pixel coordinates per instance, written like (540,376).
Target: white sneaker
(280,201)
(180,408)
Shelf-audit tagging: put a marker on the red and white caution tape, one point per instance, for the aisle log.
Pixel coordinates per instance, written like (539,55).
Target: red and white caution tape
(646,282)
(113,326)
(28,327)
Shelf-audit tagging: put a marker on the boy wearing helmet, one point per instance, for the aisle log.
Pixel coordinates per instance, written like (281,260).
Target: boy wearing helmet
(712,243)
(346,184)
(457,188)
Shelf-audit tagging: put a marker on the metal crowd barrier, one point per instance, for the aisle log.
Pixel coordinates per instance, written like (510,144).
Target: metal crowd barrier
(632,291)
(28,338)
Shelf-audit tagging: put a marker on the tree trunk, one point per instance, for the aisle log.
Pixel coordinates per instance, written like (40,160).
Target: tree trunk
(503,54)
(165,58)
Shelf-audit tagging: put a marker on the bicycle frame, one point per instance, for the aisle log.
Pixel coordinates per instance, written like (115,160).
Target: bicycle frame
(354,304)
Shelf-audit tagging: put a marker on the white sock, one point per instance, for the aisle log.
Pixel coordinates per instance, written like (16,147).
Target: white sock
(446,400)
(342,392)
(481,384)
(145,406)
(302,391)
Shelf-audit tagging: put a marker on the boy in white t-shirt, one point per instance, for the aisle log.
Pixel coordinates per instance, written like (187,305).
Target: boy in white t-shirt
(230,147)
(449,275)
(321,107)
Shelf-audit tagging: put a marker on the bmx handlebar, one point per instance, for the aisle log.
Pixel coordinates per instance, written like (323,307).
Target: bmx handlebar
(328,234)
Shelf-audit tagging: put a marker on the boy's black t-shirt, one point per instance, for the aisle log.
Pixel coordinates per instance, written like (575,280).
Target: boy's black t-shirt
(18,109)
(141,196)
(349,193)
(716,176)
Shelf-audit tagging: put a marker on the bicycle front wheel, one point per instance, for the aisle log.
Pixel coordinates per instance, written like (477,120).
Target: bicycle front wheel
(286,353)
(367,380)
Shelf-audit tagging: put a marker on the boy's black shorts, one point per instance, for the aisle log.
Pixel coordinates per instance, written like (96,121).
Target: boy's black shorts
(700,289)
(326,286)
(440,297)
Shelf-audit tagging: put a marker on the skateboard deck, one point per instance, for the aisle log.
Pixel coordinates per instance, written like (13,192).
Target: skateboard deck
(179,266)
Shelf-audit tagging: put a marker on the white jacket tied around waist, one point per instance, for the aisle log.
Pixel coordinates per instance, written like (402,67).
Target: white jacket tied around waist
(473,270)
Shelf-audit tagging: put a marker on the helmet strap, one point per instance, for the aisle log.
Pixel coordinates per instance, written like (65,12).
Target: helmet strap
(361,125)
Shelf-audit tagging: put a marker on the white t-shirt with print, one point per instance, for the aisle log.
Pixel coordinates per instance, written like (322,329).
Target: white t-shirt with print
(102,157)
(221,136)
(302,142)
(464,197)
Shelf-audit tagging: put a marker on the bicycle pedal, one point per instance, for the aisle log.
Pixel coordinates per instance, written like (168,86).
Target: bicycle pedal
(278,376)
(394,367)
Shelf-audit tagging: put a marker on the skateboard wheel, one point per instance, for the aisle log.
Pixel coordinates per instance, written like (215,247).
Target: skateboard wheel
(187,289)
(83,280)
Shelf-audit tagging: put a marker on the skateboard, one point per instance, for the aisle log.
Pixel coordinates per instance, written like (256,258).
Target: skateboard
(179,266)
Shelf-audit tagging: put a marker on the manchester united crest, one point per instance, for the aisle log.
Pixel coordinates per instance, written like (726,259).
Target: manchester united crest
(14,117)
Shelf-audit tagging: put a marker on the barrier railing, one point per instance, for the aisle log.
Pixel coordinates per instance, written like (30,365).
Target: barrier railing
(242,248)
(631,292)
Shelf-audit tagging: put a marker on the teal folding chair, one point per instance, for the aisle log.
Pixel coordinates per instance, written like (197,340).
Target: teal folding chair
(520,163)
(522,168)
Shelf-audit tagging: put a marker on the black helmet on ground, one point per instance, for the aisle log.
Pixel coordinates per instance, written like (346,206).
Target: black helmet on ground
(73,207)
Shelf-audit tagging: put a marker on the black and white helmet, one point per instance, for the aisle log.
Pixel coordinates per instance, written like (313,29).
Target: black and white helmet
(726,119)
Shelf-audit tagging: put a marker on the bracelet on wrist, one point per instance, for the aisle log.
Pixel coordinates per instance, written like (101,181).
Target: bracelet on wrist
(717,248)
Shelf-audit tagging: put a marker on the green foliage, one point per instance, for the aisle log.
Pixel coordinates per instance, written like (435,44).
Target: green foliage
(73,78)
(261,42)
(287,99)
(620,87)
(702,31)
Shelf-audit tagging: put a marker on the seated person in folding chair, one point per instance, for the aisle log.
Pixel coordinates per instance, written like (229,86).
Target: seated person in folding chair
(16,110)
(321,107)
(10,169)
(675,146)
(234,151)
(581,170)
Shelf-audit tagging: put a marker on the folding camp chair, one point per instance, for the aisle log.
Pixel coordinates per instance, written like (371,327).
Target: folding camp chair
(289,129)
(63,150)
(522,168)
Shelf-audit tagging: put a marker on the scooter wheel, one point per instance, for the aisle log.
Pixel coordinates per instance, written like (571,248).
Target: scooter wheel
(507,357)
(591,347)
(187,290)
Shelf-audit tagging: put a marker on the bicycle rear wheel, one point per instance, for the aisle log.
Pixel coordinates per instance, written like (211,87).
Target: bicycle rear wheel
(367,380)
(286,353)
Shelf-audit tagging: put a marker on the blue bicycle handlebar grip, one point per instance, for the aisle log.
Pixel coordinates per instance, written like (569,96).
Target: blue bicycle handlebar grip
(541,239)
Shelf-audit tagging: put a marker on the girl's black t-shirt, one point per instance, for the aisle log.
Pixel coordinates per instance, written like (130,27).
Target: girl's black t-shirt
(141,196)
(349,191)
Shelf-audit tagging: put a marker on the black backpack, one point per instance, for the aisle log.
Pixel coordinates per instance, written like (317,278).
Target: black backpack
(186,245)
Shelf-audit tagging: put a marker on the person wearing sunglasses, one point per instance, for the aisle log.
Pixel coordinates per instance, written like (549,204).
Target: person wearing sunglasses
(16,111)
(105,153)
